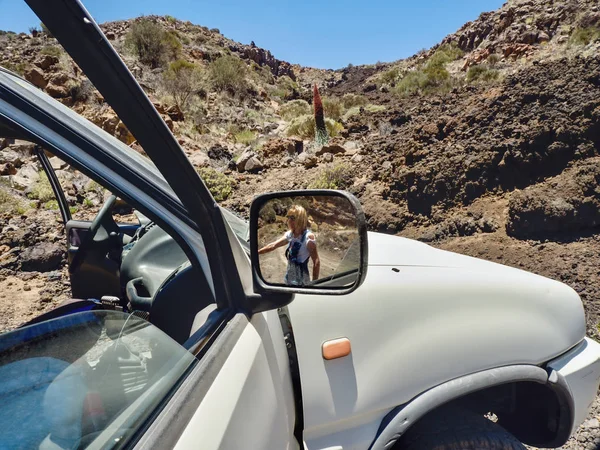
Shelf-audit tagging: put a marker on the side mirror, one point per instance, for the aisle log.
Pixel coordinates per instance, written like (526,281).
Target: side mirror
(312,242)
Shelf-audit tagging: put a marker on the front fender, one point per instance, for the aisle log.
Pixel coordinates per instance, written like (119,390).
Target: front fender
(402,418)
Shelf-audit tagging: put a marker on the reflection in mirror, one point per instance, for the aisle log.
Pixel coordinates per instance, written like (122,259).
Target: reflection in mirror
(309,241)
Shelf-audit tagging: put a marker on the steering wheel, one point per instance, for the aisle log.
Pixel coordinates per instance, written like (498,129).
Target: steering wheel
(85,245)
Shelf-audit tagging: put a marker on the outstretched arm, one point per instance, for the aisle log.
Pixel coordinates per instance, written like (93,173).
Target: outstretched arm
(311,245)
(273,245)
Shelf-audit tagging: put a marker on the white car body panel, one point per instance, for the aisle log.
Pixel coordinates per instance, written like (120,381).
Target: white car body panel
(439,317)
(251,402)
(581,369)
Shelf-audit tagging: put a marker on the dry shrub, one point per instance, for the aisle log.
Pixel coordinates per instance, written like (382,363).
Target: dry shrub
(228,73)
(182,80)
(294,108)
(482,73)
(333,107)
(304,127)
(151,43)
(353,100)
(339,176)
(219,184)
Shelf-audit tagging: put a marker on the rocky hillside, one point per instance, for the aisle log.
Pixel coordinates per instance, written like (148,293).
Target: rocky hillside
(487,144)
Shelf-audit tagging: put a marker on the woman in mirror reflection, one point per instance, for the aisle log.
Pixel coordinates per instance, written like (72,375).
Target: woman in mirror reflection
(301,246)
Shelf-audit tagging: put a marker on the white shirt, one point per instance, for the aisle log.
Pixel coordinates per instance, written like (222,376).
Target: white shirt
(303,253)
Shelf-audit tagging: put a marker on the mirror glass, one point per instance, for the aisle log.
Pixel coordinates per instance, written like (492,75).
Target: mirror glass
(308,241)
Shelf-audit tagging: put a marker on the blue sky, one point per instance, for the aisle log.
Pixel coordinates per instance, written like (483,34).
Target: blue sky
(326,34)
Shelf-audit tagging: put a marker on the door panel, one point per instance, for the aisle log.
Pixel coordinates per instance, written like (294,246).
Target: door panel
(250,404)
(98,274)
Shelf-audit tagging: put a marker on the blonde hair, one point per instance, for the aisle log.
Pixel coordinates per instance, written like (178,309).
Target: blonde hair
(301,217)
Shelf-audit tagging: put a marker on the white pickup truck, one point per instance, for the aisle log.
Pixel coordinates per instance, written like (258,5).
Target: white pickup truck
(184,336)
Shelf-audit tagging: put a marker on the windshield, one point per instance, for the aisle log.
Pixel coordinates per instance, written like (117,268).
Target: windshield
(239,226)
(86,379)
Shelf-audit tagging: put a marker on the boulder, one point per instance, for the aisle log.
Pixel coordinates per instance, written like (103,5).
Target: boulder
(243,159)
(529,37)
(57,163)
(43,257)
(9,156)
(26,177)
(57,91)
(253,165)
(199,159)
(22,148)
(59,79)
(543,37)
(123,134)
(220,153)
(307,160)
(370,87)
(334,149)
(108,122)
(327,157)
(4,142)
(248,161)
(282,147)
(7,169)
(35,76)
(175,113)
(46,61)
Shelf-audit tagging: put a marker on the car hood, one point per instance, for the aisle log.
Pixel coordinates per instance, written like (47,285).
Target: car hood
(388,250)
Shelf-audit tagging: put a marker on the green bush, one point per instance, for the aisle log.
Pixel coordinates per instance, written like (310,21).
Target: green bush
(493,59)
(390,76)
(11,203)
(304,127)
(18,68)
(411,83)
(182,80)
(353,100)
(294,108)
(284,88)
(51,50)
(433,77)
(583,36)
(151,43)
(219,184)
(228,73)
(80,92)
(42,190)
(482,73)
(333,108)
(375,108)
(51,204)
(447,52)
(340,176)
(357,109)
(171,44)
(170,19)
(245,137)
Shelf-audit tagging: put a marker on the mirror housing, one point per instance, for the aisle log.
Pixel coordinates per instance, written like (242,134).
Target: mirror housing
(336,216)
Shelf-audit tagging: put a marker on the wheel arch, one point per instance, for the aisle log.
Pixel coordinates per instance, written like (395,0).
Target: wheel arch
(547,422)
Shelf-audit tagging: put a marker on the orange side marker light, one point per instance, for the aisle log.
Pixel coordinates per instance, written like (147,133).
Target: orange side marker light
(336,348)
